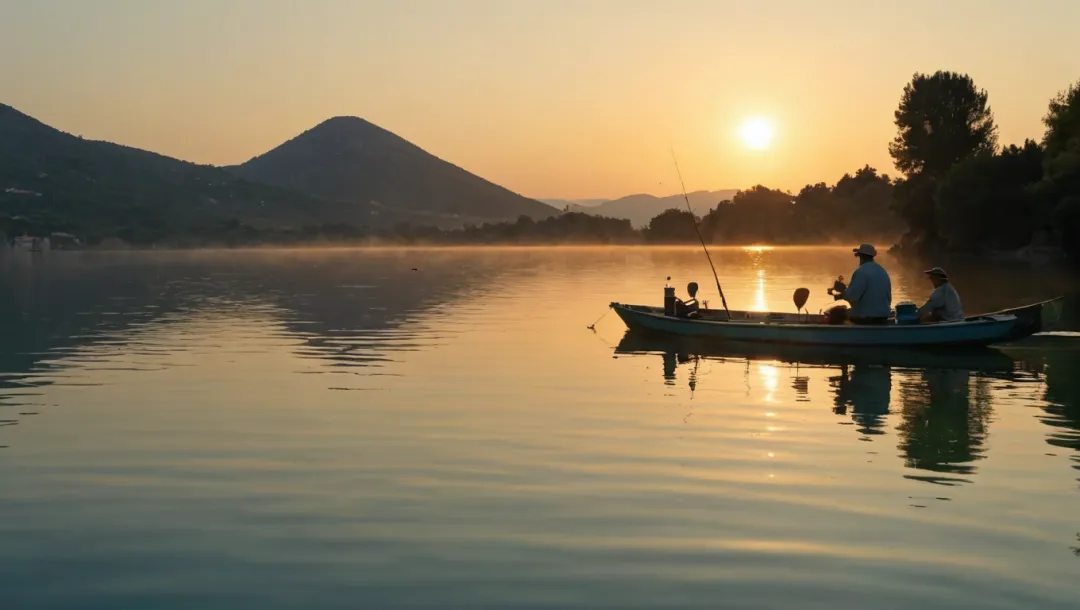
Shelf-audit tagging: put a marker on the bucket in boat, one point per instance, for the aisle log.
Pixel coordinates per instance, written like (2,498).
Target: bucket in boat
(907,313)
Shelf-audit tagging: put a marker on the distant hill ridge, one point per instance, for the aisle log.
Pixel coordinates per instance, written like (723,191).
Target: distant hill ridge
(95,185)
(349,160)
(562,203)
(344,170)
(641,208)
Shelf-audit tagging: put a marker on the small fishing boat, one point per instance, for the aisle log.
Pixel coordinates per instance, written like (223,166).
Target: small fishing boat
(809,329)
(978,358)
(823,330)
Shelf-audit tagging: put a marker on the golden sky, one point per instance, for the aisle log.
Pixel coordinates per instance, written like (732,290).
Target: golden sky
(550,98)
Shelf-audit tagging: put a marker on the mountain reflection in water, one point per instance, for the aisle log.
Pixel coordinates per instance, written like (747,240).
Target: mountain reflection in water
(227,429)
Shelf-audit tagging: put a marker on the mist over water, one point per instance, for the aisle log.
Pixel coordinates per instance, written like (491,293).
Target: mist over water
(435,428)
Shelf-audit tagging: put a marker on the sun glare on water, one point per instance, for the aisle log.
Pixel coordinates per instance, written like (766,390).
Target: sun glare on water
(756,133)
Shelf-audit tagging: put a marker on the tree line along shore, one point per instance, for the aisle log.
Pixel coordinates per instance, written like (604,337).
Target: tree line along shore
(958,191)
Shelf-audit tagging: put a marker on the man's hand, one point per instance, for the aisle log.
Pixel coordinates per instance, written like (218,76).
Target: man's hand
(838,289)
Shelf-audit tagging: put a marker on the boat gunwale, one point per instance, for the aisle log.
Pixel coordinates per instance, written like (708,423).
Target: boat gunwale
(986,319)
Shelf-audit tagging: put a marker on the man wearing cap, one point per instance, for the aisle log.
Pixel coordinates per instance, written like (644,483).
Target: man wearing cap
(870,291)
(944,302)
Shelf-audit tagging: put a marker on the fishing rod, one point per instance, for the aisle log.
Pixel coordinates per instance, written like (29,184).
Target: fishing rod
(702,239)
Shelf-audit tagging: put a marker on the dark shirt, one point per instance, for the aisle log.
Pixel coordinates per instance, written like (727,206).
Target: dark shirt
(686,309)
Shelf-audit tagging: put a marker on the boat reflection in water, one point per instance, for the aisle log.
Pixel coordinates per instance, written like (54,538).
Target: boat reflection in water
(943,400)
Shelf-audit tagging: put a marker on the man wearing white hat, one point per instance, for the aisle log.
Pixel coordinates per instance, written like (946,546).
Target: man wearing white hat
(944,303)
(870,291)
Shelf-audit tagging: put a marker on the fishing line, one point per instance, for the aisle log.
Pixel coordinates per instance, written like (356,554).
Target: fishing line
(698,231)
(592,326)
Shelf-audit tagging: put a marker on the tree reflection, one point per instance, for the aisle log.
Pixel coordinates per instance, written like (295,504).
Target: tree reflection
(944,402)
(945,415)
(1062,409)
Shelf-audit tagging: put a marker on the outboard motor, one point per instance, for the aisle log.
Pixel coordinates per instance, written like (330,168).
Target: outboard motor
(669,300)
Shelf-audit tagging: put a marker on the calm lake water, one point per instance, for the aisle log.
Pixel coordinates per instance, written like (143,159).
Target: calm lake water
(333,429)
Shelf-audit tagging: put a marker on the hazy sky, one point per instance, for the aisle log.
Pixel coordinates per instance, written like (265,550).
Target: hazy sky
(550,98)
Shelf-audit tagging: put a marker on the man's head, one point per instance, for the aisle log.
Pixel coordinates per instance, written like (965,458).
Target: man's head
(865,253)
(691,289)
(937,276)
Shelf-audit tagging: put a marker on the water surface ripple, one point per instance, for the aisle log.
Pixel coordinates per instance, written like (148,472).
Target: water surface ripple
(332,429)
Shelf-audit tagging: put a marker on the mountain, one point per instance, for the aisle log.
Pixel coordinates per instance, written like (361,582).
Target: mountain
(57,181)
(352,161)
(640,209)
(573,204)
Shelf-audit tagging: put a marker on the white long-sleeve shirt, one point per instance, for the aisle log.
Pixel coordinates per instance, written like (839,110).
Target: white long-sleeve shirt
(870,292)
(945,302)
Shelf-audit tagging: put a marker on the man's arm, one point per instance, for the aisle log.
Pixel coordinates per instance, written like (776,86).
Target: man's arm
(936,300)
(857,288)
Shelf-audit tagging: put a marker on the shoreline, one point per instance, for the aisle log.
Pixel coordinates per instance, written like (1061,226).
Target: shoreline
(753,247)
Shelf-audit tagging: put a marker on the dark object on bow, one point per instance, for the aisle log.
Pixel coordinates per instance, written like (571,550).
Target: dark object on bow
(801,296)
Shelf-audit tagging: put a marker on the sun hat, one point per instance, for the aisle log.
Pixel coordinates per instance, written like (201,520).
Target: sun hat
(866,250)
(938,271)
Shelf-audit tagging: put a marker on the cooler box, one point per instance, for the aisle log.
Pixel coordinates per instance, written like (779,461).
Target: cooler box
(907,313)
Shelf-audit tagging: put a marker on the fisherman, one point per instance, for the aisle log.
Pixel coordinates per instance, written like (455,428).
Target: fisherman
(689,307)
(870,291)
(944,302)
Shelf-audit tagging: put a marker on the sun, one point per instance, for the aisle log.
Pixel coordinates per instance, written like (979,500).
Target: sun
(756,133)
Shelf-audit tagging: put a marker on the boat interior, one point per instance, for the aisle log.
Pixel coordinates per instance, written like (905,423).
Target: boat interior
(773,317)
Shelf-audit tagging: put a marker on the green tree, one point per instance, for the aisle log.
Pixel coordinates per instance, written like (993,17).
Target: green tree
(1060,186)
(942,120)
(861,205)
(914,202)
(757,214)
(671,226)
(815,211)
(1062,122)
(986,201)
